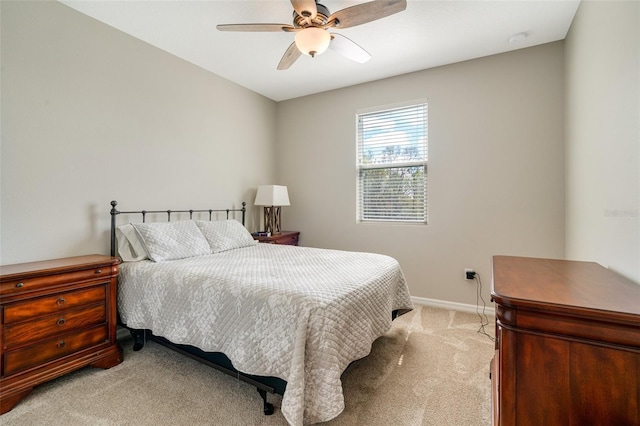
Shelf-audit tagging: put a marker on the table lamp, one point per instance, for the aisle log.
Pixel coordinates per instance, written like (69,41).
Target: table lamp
(272,197)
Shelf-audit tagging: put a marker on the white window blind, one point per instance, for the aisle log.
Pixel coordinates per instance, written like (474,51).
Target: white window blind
(392,164)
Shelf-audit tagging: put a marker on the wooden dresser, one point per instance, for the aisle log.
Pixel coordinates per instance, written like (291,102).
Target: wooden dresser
(56,316)
(568,347)
(285,237)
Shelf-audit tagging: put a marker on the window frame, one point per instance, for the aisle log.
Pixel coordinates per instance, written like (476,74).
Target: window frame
(385,111)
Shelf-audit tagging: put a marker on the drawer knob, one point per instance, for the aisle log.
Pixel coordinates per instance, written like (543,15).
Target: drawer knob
(61,301)
(98,271)
(20,285)
(61,322)
(61,344)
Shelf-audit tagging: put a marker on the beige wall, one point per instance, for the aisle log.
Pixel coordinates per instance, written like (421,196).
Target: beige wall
(603,135)
(495,173)
(90,114)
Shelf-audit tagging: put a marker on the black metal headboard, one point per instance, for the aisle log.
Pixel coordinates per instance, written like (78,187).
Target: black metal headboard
(115,212)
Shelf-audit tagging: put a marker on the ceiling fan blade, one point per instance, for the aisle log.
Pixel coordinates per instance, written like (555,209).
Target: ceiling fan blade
(366,12)
(305,8)
(256,27)
(348,48)
(290,56)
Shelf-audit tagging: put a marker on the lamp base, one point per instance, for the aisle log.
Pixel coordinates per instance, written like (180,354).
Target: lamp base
(272,220)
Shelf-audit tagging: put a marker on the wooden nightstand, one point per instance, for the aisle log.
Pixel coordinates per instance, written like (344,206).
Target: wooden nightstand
(57,316)
(285,237)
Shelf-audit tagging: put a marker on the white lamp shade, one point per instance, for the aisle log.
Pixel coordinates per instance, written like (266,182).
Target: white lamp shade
(312,41)
(272,195)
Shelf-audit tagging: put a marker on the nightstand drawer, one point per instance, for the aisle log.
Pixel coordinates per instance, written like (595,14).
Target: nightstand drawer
(285,237)
(21,334)
(52,349)
(291,240)
(22,285)
(20,311)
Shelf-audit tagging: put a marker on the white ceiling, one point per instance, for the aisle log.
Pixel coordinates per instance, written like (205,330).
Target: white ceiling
(427,34)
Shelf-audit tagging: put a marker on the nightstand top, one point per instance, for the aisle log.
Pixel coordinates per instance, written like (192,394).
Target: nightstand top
(53,265)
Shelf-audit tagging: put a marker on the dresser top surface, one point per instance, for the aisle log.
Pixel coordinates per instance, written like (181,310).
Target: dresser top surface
(55,265)
(563,284)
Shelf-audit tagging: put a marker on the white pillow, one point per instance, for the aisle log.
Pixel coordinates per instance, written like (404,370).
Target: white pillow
(172,240)
(224,235)
(130,249)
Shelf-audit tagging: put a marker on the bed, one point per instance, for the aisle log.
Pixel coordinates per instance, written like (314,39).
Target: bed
(287,319)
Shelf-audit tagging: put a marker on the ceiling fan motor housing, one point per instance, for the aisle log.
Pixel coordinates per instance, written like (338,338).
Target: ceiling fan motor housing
(321,18)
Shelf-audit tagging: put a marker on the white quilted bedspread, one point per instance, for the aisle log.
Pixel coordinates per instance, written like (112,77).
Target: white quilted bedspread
(297,313)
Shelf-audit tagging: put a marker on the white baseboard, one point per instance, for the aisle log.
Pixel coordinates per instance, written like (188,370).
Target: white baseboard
(489,310)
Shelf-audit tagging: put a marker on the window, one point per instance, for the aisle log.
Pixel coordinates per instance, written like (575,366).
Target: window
(392,164)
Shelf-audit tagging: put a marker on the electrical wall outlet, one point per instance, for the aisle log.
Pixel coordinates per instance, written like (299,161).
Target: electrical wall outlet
(469,274)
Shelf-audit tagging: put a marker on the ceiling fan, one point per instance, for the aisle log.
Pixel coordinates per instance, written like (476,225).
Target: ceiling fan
(311,21)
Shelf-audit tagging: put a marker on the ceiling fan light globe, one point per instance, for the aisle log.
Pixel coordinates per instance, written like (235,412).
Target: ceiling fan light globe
(312,41)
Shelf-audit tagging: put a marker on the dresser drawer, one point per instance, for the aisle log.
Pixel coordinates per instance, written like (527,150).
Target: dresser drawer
(21,311)
(573,327)
(23,333)
(51,349)
(17,286)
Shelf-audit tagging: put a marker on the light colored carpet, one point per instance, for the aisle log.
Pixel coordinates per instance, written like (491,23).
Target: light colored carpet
(431,368)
